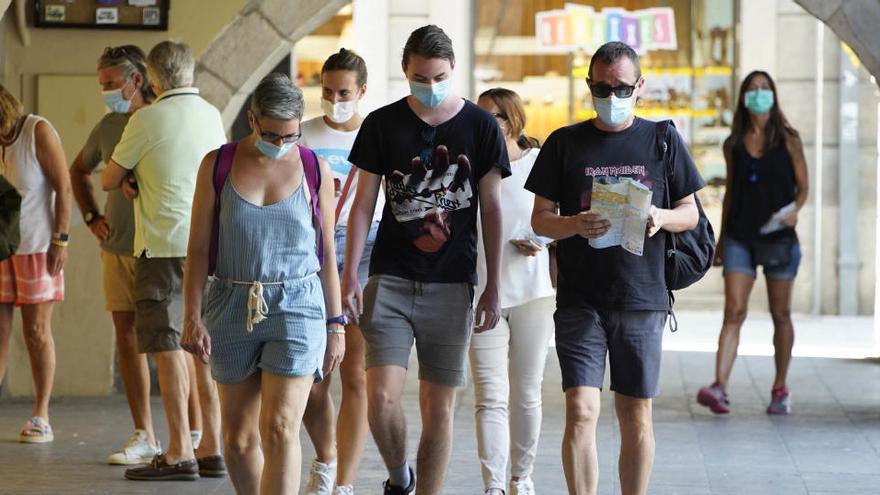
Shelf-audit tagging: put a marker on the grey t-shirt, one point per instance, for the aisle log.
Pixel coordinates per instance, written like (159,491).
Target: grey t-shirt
(119,211)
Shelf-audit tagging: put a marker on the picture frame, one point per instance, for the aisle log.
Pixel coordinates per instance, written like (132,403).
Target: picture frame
(102,14)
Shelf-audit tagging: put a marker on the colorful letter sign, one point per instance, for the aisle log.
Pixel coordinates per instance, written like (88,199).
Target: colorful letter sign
(581,27)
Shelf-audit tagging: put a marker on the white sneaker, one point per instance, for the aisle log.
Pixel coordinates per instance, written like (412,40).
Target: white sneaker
(344,490)
(321,478)
(196,438)
(522,486)
(494,491)
(137,451)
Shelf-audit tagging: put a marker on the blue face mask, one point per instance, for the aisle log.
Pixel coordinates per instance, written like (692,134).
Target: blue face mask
(272,151)
(430,95)
(759,101)
(115,101)
(612,110)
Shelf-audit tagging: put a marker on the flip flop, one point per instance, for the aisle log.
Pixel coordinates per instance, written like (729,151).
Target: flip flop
(36,430)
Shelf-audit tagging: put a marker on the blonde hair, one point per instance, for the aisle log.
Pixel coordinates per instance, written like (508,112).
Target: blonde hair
(11,111)
(513,112)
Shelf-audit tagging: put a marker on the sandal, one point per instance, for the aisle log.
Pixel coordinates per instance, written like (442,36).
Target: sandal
(36,430)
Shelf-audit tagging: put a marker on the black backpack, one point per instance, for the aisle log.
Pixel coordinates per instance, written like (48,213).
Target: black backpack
(10,211)
(689,254)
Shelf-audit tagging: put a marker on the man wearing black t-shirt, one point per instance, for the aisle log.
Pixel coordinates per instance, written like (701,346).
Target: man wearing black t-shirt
(610,301)
(440,157)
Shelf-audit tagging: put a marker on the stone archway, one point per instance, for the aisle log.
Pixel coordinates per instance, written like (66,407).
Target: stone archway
(855,22)
(252,44)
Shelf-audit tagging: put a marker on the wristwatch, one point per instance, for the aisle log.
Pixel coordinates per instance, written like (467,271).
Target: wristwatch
(90,216)
(61,237)
(340,320)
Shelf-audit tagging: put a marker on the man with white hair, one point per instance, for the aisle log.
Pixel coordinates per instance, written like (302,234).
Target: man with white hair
(156,163)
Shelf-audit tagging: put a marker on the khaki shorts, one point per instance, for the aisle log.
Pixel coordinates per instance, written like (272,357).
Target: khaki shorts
(158,295)
(118,281)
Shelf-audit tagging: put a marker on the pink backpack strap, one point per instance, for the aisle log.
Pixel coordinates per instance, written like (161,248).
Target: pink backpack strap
(222,169)
(313,179)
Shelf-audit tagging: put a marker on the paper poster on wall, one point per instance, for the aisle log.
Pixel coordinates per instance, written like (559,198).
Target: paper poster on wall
(142,3)
(152,16)
(108,2)
(55,13)
(107,15)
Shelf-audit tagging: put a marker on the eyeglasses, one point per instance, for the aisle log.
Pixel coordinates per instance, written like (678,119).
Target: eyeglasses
(272,137)
(604,90)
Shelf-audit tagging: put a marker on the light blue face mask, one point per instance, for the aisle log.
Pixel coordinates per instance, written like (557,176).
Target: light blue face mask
(431,95)
(272,151)
(612,110)
(759,101)
(115,101)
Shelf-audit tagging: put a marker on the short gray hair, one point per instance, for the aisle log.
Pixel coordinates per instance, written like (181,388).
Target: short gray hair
(277,97)
(129,60)
(171,65)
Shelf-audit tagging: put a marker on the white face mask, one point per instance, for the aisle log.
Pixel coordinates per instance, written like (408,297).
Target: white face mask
(339,112)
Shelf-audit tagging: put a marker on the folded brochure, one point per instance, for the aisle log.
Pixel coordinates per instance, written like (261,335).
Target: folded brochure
(626,203)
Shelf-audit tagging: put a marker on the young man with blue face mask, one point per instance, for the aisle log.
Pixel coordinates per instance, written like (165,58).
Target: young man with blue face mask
(440,157)
(610,302)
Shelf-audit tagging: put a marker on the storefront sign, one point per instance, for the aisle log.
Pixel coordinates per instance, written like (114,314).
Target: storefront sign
(580,27)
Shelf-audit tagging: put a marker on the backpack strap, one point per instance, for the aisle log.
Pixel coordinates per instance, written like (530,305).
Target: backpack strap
(663,151)
(313,179)
(222,169)
(346,189)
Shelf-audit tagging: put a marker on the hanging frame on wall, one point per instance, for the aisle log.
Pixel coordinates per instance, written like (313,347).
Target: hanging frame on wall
(150,15)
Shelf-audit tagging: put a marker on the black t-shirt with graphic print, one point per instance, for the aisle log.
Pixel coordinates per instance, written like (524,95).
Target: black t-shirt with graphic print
(610,278)
(428,231)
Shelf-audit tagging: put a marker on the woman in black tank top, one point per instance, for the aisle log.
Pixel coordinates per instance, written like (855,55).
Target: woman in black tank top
(766,187)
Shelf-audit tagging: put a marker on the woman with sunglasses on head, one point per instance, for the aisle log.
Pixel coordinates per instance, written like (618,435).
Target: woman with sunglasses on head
(507,362)
(766,187)
(265,328)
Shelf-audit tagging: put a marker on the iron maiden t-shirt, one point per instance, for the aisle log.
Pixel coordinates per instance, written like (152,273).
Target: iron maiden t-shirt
(428,231)
(571,159)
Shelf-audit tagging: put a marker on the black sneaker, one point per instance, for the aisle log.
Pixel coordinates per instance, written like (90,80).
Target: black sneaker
(212,466)
(160,470)
(390,489)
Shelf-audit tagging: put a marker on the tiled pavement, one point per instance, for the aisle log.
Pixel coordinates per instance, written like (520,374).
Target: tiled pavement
(831,444)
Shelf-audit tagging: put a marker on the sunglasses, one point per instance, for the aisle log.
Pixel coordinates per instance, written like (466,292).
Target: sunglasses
(500,116)
(427,154)
(604,90)
(272,137)
(753,170)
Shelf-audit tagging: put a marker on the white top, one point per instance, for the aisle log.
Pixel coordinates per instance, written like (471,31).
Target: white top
(37,196)
(522,278)
(163,144)
(334,147)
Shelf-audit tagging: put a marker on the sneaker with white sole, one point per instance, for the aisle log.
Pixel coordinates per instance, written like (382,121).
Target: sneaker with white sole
(522,486)
(344,490)
(322,477)
(196,436)
(137,451)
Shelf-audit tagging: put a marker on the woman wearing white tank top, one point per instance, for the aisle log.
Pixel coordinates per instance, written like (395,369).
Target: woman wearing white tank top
(33,161)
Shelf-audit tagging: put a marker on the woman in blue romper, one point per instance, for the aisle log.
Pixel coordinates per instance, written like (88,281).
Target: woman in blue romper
(264,328)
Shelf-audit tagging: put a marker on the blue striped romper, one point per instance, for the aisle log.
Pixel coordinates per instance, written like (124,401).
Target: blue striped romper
(273,245)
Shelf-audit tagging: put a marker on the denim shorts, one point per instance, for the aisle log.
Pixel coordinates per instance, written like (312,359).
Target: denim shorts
(364,266)
(632,341)
(738,258)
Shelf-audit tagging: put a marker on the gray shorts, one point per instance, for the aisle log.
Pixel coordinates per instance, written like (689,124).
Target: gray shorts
(632,340)
(438,317)
(158,298)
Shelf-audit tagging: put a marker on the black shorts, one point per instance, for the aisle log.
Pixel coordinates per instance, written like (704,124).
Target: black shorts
(631,339)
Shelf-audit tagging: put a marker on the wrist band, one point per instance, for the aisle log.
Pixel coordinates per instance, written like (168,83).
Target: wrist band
(331,331)
(61,244)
